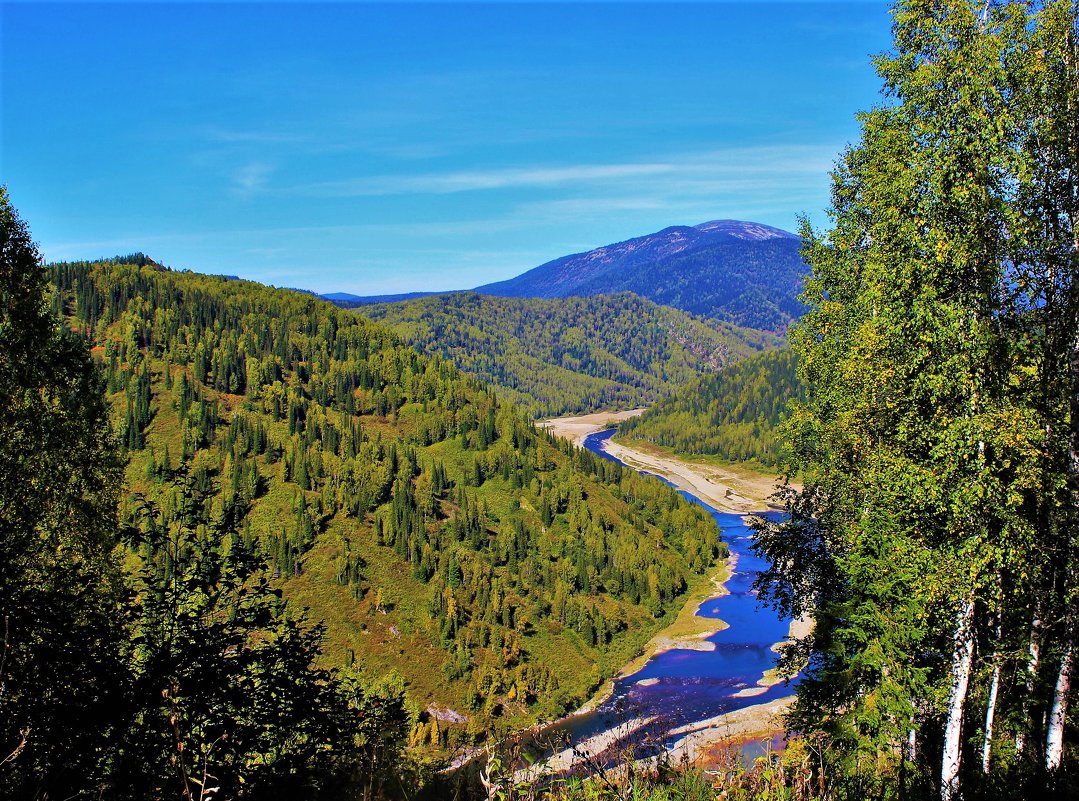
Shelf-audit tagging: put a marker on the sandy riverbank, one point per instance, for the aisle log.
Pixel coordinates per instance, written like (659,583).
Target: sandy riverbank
(704,741)
(577,428)
(725,489)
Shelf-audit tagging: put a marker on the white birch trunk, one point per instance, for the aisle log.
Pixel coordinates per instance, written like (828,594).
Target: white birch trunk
(1032,672)
(1054,739)
(962,659)
(990,714)
(994,691)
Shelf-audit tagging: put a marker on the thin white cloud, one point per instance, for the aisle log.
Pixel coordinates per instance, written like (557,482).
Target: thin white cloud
(742,169)
(251,178)
(478,180)
(252,137)
(699,186)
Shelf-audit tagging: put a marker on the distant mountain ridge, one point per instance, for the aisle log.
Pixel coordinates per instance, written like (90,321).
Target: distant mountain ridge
(558,278)
(742,272)
(346,300)
(745,273)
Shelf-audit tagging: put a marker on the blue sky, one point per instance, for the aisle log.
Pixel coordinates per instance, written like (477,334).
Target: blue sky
(379,148)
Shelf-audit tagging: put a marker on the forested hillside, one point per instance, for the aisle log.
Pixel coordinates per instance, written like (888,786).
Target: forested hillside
(436,532)
(733,414)
(573,354)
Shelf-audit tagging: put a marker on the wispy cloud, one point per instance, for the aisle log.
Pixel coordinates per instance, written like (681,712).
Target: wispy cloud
(741,169)
(250,137)
(477,180)
(250,178)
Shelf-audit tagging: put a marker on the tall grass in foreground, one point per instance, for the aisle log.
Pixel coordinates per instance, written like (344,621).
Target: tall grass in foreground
(789,775)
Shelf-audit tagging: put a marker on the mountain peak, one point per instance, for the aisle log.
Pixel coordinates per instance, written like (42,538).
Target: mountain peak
(745,272)
(750,231)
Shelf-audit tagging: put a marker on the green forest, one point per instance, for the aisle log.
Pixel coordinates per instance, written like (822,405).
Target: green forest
(256,546)
(570,355)
(733,414)
(289,504)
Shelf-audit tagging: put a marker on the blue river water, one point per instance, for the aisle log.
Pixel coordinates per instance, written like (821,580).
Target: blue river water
(681,687)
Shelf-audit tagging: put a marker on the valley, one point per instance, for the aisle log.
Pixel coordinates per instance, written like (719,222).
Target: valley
(726,487)
(717,655)
(385,465)
(431,529)
(486,571)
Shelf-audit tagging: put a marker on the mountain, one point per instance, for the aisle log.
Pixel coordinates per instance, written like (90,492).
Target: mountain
(347,300)
(732,414)
(741,272)
(341,297)
(566,355)
(439,536)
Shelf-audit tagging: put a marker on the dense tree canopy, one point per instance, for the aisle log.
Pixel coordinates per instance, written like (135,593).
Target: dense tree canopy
(432,527)
(934,542)
(733,414)
(59,480)
(568,355)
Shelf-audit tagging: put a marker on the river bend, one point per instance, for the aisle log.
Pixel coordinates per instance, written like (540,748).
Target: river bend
(677,688)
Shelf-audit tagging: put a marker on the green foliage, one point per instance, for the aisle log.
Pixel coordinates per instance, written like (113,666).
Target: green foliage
(571,354)
(935,533)
(433,528)
(60,673)
(224,681)
(185,677)
(733,414)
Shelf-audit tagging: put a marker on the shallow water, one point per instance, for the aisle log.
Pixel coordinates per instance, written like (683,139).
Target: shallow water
(684,686)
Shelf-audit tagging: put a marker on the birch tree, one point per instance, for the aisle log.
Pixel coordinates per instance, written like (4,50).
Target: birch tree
(936,448)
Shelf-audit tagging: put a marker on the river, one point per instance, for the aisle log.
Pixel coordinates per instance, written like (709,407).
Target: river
(678,688)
